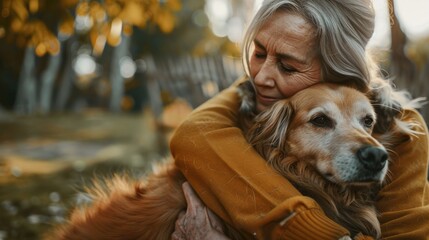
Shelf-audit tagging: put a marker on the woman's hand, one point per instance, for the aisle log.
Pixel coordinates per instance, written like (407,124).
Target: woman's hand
(198,222)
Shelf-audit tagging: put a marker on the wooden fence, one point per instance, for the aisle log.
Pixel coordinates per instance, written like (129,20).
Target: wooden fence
(194,79)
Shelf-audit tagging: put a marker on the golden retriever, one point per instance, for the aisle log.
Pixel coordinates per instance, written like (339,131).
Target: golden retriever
(320,139)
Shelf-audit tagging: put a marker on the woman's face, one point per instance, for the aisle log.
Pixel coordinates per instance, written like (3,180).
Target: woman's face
(284,60)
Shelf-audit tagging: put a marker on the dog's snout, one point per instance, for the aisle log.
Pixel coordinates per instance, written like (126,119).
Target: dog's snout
(372,158)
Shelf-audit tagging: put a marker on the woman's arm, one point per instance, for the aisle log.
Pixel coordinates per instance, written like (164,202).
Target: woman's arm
(404,201)
(236,183)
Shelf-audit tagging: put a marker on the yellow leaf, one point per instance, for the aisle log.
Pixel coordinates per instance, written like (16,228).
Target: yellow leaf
(116,27)
(16,25)
(34,6)
(99,45)
(39,30)
(82,8)
(2,32)
(97,12)
(113,9)
(165,21)
(53,45)
(128,29)
(134,14)
(114,37)
(40,49)
(98,39)
(174,5)
(93,34)
(68,3)
(127,103)
(19,8)
(114,40)
(28,29)
(153,3)
(5,10)
(153,7)
(67,27)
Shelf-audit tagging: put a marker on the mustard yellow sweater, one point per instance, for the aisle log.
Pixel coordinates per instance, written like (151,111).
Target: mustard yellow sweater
(237,184)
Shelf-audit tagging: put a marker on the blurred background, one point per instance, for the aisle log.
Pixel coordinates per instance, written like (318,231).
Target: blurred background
(93,88)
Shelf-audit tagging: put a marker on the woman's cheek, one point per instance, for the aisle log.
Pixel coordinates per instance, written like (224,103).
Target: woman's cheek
(254,67)
(293,85)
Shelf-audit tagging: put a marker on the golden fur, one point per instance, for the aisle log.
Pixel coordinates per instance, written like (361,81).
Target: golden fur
(286,137)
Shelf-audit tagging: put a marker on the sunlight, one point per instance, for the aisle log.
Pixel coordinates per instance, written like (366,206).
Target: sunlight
(127,67)
(414,17)
(412,14)
(381,36)
(218,12)
(223,21)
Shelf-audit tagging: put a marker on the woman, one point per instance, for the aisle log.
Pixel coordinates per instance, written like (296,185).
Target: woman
(291,45)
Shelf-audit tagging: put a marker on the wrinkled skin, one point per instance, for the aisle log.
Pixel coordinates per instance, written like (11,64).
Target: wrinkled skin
(198,222)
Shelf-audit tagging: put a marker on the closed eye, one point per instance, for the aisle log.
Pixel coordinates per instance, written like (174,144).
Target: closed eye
(286,68)
(322,121)
(260,55)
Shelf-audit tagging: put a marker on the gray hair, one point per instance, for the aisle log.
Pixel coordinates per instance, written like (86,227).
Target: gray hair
(343,29)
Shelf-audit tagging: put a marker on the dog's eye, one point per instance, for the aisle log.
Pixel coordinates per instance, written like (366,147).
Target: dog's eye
(322,121)
(368,121)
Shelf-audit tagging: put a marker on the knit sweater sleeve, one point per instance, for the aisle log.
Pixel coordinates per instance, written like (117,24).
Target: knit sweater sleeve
(404,202)
(237,184)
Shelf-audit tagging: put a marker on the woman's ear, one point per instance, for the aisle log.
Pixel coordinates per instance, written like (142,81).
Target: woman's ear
(269,131)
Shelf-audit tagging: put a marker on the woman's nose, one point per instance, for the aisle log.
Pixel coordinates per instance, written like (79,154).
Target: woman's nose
(265,76)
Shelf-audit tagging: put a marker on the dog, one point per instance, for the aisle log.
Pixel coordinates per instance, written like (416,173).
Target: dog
(320,139)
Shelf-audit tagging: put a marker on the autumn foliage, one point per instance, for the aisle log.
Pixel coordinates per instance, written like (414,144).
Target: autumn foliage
(42,23)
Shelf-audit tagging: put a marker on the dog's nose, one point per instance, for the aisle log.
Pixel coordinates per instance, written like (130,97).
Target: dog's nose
(372,158)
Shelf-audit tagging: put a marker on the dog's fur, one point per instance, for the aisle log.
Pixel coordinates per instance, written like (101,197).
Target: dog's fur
(317,156)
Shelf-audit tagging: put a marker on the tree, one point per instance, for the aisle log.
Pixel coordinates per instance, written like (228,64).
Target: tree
(402,68)
(42,27)
(406,71)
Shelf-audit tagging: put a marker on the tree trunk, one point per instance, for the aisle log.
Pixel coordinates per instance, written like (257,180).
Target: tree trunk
(26,96)
(402,69)
(116,79)
(47,83)
(68,76)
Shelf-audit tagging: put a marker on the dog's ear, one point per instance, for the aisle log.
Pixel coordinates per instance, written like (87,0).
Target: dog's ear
(247,111)
(268,132)
(385,106)
(247,95)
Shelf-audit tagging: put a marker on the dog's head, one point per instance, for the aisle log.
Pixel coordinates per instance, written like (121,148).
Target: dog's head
(329,127)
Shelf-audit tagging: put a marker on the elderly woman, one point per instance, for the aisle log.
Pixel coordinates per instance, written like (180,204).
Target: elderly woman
(291,45)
